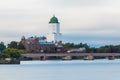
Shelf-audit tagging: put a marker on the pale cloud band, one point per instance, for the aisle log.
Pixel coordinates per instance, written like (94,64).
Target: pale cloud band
(31,17)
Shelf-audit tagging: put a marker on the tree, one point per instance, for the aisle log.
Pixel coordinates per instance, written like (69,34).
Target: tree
(16,45)
(68,45)
(81,45)
(2,46)
(13,44)
(43,37)
(87,47)
(20,46)
(11,52)
(4,55)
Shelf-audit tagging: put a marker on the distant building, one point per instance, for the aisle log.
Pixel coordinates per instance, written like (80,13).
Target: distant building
(38,44)
(49,44)
(77,50)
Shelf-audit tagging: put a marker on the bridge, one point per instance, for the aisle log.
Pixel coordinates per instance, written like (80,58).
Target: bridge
(69,54)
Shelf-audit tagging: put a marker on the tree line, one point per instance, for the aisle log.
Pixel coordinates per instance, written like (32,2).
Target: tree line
(106,49)
(12,50)
(102,49)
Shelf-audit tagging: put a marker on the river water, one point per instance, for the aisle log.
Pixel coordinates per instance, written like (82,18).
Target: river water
(62,70)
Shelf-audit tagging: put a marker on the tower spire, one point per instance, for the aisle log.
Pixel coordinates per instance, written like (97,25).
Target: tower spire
(53,20)
(54,30)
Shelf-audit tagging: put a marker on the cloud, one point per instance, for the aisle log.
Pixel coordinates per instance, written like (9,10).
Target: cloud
(86,17)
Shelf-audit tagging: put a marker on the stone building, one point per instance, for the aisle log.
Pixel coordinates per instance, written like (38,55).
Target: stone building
(50,44)
(38,45)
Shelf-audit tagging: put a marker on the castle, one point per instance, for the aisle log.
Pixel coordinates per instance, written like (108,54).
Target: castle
(50,44)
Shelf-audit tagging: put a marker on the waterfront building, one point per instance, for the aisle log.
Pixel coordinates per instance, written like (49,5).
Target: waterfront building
(38,44)
(49,44)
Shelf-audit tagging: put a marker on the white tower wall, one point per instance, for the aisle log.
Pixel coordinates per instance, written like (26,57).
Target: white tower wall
(54,28)
(54,32)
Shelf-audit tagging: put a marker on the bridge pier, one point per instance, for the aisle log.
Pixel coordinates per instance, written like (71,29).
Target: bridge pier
(43,58)
(89,57)
(111,57)
(67,57)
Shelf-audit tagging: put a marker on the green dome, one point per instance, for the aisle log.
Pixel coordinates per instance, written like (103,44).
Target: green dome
(53,20)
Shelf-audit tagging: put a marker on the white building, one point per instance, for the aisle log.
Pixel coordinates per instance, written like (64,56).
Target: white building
(54,34)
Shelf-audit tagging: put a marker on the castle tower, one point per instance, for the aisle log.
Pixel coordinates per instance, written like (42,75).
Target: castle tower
(54,34)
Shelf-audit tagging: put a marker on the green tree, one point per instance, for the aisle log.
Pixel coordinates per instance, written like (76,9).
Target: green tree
(43,37)
(87,47)
(68,45)
(20,46)
(13,44)
(11,52)
(4,55)
(16,45)
(2,46)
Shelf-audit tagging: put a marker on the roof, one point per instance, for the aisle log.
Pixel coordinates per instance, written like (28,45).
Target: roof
(53,20)
(41,41)
(46,43)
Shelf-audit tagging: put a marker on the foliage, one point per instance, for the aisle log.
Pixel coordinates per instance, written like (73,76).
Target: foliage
(13,44)
(107,49)
(16,45)
(43,37)
(20,46)
(68,45)
(11,53)
(102,49)
(2,46)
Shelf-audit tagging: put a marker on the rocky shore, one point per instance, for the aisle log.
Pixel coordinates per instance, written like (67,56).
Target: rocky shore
(9,61)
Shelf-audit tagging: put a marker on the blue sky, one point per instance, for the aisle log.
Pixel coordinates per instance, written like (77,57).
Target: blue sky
(96,22)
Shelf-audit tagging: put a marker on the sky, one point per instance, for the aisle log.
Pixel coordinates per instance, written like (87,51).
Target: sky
(95,22)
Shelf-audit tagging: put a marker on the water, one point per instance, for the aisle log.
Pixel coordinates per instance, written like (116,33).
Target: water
(62,70)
